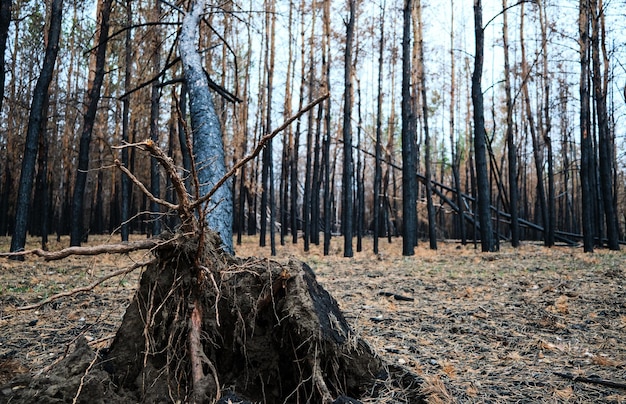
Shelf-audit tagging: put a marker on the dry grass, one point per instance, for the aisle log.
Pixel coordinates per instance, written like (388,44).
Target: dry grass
(482,327)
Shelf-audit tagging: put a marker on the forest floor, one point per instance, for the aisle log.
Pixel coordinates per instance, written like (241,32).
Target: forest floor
(483,328)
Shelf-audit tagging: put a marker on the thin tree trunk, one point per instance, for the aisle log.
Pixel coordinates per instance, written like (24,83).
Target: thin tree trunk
(96,76)
(5,22)
(128,68)
(37,115)
(409,143)
(510,135)
(432,225)
(586,147)
(379,129)
(482,176)
(327,131)
(155,104)
(347,178)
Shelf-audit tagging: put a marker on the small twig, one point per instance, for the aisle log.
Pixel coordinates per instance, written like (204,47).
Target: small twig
(592,380)
(121,248)
(85,288)
(258,149)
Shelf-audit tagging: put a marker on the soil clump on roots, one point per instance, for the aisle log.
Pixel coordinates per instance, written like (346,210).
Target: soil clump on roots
(205,326)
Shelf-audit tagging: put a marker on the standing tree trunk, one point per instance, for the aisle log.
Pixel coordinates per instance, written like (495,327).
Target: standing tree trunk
(37,115)
(347,208)
(208,146)
(155,104)
(5,21)
(605,142)
(378,153)
(586,144)
(128,67)
(545,127)
(482,177)
(96,76)
(432,225)
(409,143)
(326,59)
(454,141)
(510,138)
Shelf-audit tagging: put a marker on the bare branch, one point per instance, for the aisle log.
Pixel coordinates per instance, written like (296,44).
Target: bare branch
(143,188)
(258,149)
(121,248)
(87,288)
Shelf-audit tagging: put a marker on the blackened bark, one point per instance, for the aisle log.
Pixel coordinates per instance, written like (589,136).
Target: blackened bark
(605,142)
(37,115)
(586,145)
(5,21)
(432,228)
(409,143)
(378,153)
(208,146)
(482,177)
(347,197)
(510,139)
(128,67)
(93,96)
(155,97)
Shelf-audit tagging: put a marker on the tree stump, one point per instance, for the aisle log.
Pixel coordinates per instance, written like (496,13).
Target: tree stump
(212,328)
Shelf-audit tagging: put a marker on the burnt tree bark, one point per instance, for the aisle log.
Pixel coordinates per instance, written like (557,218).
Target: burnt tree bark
(38,114)
(482,177)
(586,144)
(347,208)
(409,142)
(96,77)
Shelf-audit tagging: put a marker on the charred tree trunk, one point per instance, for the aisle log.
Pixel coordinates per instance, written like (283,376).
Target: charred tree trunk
(586,145)
(5,21)
(409,142)
(347,178)
(128,68)
(605,142)
(482,177)
(432,225)
(378,145)
(38,114)
(96,76)
(510,136)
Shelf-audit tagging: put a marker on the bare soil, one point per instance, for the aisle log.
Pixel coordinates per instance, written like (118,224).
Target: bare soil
(484,328)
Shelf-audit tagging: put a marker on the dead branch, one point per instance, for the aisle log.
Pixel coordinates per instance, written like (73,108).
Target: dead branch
(258,149)
(142,187)
(87,288)
(121,248)
(592,380)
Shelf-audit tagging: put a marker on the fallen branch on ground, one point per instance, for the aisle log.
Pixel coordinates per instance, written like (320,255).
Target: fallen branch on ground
(87,288)
(593,380)
(121,248)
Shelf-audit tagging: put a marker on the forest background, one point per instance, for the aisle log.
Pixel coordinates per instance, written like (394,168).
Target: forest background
(553,84)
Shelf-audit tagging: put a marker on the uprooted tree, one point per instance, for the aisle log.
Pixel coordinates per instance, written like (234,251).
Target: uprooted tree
(205,326)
